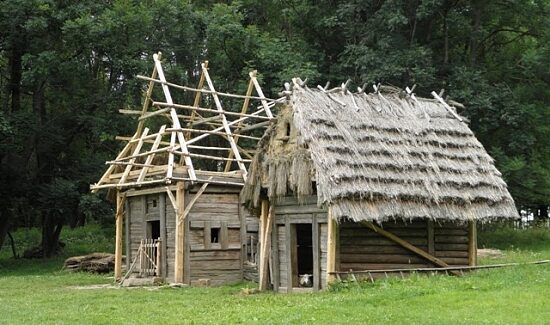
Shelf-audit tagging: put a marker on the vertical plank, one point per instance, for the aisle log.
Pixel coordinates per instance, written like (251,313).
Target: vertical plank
(288,257)
(316,255)
(266,248)
(180,235)
(223,235)
(162,214)
(207,230)
(186,247)
(431,237)
(127,240)
(118,236)
(294,255)
(275,255)
(472,243)
(264,210)
(331,246)
(242,220)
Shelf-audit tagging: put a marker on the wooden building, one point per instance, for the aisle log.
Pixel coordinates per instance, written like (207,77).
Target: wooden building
(354,181)
(178,189)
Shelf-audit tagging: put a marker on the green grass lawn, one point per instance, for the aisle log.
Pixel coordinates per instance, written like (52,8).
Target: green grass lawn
(36,292)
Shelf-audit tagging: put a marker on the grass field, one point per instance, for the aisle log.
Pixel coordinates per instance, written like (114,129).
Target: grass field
(36,292)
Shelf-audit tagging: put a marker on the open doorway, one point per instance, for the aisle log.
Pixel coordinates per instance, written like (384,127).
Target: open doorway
(153,229)
(304,255)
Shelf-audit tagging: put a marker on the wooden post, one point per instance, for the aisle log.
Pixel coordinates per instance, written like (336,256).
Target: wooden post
(180,234)
(158,261)
(331,246)
(118,237)
(472,243)
(266,223)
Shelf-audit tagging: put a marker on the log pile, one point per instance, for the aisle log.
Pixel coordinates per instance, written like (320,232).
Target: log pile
(95,263)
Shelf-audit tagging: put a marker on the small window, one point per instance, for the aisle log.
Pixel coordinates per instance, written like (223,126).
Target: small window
(154,203)
(287,129)
(215,235)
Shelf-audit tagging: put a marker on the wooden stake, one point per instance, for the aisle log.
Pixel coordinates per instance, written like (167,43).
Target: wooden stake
(175,121)
(224,122)
(472,243)
(244,110)
(120,197)
(180,234)
(267,221)
(331,246)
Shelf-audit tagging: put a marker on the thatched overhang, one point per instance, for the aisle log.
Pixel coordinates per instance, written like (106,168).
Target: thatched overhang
(378,157)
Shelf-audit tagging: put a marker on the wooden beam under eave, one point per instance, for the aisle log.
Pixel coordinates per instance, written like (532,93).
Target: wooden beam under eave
(267,223)
(331,246)
(180,233)
(119,216)
(472,243)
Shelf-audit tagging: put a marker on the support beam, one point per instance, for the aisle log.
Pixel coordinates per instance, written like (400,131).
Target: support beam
(180,233)
(175,120)
(405,244)
(472,243)
(120,198)
(225,123)
(331,246)
(267,223)
(244,110)
(195,198)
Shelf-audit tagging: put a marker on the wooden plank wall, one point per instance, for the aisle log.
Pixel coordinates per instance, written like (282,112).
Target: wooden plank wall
(219,262)
(361,248)
(288,212)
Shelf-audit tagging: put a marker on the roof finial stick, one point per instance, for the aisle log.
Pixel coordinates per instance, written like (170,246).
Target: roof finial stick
(449,108)
(413,97)
(328,93)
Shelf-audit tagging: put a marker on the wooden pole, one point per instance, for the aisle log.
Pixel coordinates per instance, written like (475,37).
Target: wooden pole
(331,246)
(472,243)
(120,197)
(267,222)
(180,233)
(244,110)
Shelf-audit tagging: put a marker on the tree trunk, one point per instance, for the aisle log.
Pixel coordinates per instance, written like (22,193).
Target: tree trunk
(51,229)
(4,227)
(16,72)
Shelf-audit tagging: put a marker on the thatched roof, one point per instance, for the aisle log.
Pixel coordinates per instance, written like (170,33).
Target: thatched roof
(380,157)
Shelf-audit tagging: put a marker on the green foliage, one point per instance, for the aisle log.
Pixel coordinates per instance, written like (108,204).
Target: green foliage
(66,67)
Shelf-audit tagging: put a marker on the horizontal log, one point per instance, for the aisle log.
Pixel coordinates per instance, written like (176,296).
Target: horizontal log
(382,258)
(366,232)
(451,253)
(365,241)
(201,109)
(450,232)
(389,249)
(455,260)
(379,266)
(451,247)
(451,239)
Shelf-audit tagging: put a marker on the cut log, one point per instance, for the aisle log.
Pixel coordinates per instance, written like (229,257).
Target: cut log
(94,263)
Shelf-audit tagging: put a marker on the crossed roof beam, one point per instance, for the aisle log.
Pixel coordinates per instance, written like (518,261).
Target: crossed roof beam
(173,152)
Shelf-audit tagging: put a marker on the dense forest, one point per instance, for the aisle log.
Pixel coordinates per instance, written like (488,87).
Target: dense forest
(67,67)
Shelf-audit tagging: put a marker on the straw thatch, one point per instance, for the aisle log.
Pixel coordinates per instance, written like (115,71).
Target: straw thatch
(379,157)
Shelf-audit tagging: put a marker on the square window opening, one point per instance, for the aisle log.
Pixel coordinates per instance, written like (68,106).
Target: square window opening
(214,235)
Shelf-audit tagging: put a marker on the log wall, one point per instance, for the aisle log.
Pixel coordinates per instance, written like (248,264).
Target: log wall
(361,248)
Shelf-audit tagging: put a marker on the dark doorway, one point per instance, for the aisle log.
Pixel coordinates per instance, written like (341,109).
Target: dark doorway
(304,250)
(153,229)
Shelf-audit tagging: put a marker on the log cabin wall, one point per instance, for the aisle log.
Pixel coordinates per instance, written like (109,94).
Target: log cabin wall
(361,248)
(216,210)
(215,246)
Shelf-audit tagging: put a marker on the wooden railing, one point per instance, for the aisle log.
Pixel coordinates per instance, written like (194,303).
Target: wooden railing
(149,257)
